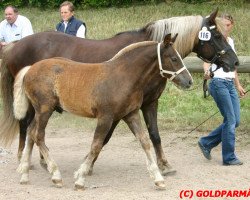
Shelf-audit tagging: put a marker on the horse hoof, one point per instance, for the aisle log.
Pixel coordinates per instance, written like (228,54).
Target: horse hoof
(24,179)
(43,164)
(160,185)
(57,183)
(79,187)
(24,182)
(168,172)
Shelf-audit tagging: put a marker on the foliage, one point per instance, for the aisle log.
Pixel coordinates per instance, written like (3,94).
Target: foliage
(78,3)
(102,3)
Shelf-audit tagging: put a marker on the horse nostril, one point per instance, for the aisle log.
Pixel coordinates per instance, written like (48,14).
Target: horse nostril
(190,82)
(237,63)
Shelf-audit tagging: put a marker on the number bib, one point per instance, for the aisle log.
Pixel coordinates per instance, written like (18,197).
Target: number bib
(204,34)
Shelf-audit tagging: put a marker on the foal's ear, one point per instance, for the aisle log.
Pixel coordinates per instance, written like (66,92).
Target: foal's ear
(174,38)
(212,16)
(167,39)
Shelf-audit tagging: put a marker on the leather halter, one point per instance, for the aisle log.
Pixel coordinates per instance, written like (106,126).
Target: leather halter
(218,54)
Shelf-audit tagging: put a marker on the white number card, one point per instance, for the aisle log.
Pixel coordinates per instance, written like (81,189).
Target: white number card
(204,34)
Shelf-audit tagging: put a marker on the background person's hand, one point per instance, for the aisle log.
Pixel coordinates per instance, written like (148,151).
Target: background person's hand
(241,90)
(207,75)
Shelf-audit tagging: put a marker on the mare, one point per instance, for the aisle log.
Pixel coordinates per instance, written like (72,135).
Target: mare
(44,45)
(109,91)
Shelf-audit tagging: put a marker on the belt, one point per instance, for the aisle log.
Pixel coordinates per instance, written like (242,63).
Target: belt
(225,78)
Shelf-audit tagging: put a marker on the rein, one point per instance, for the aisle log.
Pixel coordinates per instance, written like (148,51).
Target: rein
(162,71)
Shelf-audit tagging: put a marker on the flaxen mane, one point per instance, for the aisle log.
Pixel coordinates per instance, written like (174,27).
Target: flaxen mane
(187,28)
(131,47)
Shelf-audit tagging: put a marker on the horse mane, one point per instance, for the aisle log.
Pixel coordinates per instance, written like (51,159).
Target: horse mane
(187,28)
(131,47)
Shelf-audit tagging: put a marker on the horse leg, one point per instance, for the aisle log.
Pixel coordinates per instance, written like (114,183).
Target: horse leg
(41,122)
(24,165)
(150,117)
(104,143)
(23,125)
(103,126)
(134,122)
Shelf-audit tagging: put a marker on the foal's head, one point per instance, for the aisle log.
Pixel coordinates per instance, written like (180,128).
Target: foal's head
(171,65)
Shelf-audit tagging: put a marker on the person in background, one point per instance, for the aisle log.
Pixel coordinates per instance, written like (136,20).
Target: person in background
(14,27)
(69,23)
(222,89)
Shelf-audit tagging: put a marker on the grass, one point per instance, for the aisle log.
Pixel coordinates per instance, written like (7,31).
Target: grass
(179,110)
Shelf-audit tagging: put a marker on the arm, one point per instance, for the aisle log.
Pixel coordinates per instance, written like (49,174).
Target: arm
(27,29)
(238,85)
(81,31)
(206,67)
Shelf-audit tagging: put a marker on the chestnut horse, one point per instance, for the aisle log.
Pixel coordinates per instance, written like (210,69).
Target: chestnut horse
(108,91)
(44,45)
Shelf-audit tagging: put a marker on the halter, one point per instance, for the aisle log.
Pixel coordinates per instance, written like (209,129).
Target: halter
(216,56)
(162,71)
(218,53)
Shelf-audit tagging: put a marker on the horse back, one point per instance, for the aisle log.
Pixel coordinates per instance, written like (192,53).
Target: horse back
(65,83)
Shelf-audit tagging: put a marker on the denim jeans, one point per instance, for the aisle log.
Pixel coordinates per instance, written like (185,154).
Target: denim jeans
(227,100)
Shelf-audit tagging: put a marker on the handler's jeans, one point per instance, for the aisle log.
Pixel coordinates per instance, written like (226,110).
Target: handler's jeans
(227,100)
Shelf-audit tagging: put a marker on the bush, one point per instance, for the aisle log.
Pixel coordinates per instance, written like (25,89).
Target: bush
(96,3)
(77,3)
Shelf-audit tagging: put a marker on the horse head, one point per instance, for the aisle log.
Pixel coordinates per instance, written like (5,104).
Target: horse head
(213,47)
(172,64)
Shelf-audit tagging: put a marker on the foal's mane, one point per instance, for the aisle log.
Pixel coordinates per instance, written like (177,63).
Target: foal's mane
(131,47)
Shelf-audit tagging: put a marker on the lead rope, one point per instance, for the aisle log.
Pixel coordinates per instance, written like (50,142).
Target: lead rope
(208,119)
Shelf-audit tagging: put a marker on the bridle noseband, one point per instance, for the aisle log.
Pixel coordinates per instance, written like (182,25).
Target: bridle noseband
(163,71)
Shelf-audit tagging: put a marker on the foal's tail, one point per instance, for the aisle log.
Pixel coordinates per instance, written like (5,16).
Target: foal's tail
(21,102)
(9,126)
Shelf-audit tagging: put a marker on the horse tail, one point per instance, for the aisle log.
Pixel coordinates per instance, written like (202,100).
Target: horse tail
(9,126)
(21,102)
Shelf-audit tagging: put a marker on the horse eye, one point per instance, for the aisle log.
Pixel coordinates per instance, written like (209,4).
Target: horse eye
(217,35)
(174,59)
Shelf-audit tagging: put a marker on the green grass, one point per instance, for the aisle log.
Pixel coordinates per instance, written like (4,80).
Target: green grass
(106,22)
(180,110)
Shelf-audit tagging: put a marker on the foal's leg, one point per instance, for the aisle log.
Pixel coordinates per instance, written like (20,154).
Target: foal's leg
(42,120)
(24,165)
(104,143)
(23,125)
(103,126)
(134,122)
(150,117)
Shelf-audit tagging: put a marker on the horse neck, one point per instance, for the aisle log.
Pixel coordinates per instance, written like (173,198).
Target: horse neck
(141,64)
(129,37)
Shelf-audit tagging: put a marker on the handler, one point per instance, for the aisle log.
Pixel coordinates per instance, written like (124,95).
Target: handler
(222,88)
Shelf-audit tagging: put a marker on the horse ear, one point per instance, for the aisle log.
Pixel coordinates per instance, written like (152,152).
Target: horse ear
(174,38)
(167,39)
(212,16)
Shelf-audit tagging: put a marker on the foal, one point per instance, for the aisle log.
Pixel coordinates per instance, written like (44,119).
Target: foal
(108,91)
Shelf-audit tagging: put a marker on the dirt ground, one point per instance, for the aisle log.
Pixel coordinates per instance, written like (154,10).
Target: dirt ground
(120,172)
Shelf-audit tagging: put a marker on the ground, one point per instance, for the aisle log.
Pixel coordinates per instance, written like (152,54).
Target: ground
(120,171)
